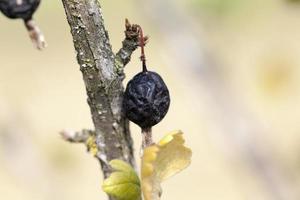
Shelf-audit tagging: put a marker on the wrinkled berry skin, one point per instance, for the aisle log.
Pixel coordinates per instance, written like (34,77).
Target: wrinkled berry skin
(146,99)
(12,10)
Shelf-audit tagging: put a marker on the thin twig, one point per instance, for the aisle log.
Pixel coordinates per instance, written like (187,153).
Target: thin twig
(35,34)
(130,43)
(77,136)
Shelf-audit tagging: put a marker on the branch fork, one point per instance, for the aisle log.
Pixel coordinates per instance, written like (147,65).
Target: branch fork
(130,43)
(102,72)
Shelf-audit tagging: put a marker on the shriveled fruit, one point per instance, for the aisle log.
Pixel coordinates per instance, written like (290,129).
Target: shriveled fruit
(23,9)
(146,99)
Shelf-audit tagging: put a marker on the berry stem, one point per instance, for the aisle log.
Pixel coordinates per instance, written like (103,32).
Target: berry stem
(142,45)
(35,34)
(147,137)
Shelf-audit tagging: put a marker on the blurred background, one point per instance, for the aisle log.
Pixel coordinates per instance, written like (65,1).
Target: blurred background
(233,70)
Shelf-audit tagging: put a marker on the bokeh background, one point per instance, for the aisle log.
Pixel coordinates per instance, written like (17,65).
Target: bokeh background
(233,69)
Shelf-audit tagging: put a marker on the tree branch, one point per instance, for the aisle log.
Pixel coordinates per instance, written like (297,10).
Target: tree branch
(77,137)
(130,43)
(103,74)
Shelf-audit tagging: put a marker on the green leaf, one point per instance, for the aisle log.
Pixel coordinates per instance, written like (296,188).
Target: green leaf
(123,183)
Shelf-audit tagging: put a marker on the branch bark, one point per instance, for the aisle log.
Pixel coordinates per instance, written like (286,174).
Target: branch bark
(131,42)
(103,74)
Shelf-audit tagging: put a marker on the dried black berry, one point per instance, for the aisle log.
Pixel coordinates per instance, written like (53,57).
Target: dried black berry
(24,9)
(19,8)
(146,99)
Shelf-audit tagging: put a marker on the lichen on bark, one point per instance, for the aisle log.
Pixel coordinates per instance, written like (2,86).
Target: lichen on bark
(102,72)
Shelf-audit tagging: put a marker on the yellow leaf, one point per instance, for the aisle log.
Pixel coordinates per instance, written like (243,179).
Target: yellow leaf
(161,161)
(123,183)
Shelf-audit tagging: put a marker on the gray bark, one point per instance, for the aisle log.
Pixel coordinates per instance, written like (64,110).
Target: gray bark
(103,74)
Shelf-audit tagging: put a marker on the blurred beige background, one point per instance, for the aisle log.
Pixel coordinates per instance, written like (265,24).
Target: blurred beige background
(232,67)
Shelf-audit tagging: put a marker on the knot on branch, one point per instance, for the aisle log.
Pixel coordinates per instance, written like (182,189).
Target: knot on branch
(132,32)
